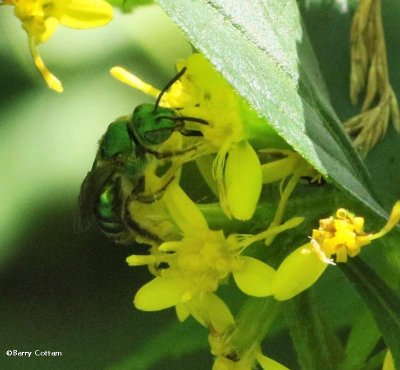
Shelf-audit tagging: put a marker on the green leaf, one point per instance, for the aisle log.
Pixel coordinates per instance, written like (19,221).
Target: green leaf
(175,341)
(363,338)
(128,5)
(263,50)
(380,299)
(316,345)
(376,361)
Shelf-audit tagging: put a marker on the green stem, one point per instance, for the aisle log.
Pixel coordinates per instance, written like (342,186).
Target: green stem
(218,220)
(282,203)
(285,197)
(254,322)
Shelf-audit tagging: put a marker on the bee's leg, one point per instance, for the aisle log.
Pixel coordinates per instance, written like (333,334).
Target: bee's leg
(186,132)
(172,153)
(155,194)
(130,222)
(191,119)
(145,235)
(182,119)
(180,127)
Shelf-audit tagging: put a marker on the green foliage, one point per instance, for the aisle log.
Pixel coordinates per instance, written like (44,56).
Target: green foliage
(363,339)
(174,341)
(316,344)
(128,6)
(382,301)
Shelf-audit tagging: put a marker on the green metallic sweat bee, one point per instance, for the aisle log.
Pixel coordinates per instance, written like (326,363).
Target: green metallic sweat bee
(117,175)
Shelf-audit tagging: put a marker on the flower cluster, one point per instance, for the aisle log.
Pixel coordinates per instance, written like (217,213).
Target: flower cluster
(40,19)
(197,264)
(189,271)
(338,236)
(248,361)
(194,260)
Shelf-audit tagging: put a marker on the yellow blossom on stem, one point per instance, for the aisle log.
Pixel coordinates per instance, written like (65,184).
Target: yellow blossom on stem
(201,92)
(341,235)
(268,363)
(240,347)
(40,19)
(198,263)
(247,361)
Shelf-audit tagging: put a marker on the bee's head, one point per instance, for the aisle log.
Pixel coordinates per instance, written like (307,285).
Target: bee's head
(152,127)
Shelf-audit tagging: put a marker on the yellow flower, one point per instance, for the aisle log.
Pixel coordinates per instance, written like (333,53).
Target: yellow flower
(388,362)
(247,361)
(201,92)
(196,265)
(341,236)
(40,19)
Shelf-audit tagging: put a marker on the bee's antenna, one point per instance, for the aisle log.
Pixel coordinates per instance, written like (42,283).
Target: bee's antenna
(169,84)
(183,118)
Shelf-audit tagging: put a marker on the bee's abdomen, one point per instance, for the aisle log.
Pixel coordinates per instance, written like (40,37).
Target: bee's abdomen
(114,218)
(108,213)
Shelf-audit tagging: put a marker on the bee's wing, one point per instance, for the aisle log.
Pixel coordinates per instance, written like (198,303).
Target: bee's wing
(92,186)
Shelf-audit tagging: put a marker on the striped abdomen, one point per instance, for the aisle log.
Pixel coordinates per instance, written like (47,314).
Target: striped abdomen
(108,212)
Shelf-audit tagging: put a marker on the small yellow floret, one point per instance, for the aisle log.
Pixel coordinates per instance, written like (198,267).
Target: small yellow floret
(40,19)
(338,236)
(343,234)
(195,266)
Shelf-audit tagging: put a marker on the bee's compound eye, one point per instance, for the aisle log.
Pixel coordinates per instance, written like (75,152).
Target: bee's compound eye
(157,137)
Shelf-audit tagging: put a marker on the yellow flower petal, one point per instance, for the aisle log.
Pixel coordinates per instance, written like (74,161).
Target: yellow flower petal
(52,81)
(392,222)
(121,74)
(243,180)
(51,25)
(218,173)
(83,14)
(182,311)
(223,363)
(268,363)
(219,314)
(297,272)
(279,169)
(255,277)
(388,362)
(184,212)
(210,310)
(160,293)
